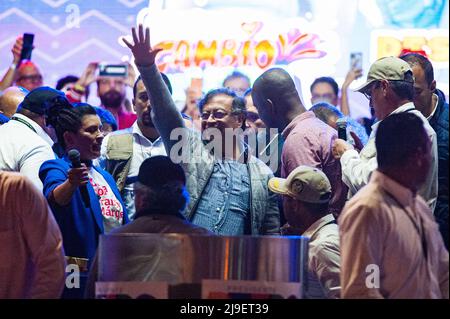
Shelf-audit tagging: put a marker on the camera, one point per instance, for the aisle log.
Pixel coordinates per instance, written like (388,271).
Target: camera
(119,70)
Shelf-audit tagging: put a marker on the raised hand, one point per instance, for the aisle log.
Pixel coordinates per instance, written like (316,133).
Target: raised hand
(351,76)
(88,75)
(17,49)
(143,54)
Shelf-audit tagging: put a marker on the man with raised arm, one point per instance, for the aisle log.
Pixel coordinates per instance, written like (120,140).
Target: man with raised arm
(228,188)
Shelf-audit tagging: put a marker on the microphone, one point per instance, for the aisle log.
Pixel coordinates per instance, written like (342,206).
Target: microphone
(74,157)
(342,128)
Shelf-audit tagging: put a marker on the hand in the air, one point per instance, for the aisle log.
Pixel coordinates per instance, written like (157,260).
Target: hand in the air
(143,54)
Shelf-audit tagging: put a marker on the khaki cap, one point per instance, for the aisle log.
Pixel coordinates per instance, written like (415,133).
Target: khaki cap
(304,183)
(388,68)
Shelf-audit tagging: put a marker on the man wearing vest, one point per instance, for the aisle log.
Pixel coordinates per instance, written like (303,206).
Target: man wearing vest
(124,151)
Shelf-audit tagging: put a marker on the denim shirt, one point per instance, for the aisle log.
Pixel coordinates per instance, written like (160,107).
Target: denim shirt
(225,205)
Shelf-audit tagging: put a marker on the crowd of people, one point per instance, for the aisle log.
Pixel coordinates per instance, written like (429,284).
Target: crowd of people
(378,199)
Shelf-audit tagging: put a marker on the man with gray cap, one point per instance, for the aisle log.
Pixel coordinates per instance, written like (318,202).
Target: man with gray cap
(390,90)
(307,194)
(25,143)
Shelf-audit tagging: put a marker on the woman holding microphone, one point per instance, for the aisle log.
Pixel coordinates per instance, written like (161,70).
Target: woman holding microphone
(84,198)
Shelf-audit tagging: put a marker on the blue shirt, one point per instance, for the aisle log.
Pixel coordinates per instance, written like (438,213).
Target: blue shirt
(80,226)
(224,207)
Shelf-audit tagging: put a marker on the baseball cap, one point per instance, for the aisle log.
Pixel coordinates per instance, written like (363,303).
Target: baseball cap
(41,99)
(3,119)
(387,68)
(159,170)
(304,183)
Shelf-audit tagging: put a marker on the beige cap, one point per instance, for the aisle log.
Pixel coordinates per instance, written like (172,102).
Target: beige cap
(304,183)
(388,68)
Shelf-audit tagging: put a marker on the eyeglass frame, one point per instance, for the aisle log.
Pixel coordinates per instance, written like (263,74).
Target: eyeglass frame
(216,111)
(31,78)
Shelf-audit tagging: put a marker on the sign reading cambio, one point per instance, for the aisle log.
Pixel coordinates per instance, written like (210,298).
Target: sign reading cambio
(200,39)
(433,43)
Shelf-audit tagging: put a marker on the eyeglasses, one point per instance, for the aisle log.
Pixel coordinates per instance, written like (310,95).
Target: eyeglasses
(367,95)
(252,116)
(217,115)
(368,92)
(31,78)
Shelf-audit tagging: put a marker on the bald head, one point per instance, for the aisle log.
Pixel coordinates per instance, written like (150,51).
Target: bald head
(276,98)
(10,100)
(29,76)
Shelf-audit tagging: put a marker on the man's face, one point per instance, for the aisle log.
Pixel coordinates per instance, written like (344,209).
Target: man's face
(253,121)
(423,92)
(292,211)
(29,77)
(141,104)
(263,107)
(111,91)
(376,100)
(238,85)
(217,113)
(323,92)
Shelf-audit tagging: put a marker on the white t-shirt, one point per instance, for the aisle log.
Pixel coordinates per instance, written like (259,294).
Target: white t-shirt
(23,149)
(112,209)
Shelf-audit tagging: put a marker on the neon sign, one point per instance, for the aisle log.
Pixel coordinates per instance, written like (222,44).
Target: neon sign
(294,45)
(432,43)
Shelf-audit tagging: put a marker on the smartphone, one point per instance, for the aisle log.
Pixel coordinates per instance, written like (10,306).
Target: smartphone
(27,47)
(356,60)
(119,70)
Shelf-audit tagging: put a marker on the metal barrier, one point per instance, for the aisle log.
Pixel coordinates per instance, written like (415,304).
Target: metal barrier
(186,263)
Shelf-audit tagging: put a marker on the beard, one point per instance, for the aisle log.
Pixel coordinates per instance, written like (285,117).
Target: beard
(112,99)
(147,119)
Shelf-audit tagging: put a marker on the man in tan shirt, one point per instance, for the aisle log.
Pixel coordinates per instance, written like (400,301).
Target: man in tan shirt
(307,194)
(390,243)
(31,254)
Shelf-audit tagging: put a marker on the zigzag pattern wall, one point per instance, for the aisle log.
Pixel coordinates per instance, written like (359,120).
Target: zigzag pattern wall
(68,33)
